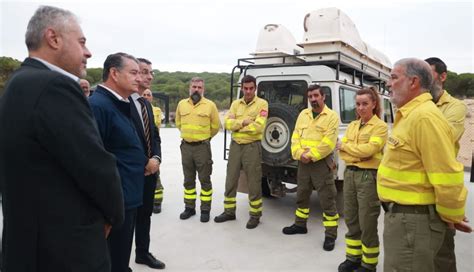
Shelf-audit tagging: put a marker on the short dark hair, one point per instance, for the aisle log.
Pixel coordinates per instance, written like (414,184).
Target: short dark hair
(144,61)
(115,61)
(439,65)
(313,87)
(248,79)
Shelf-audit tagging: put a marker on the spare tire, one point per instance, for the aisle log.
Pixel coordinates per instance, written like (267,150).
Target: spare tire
(276,140)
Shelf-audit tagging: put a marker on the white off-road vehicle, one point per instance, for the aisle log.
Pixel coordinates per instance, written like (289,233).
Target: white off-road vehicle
(333,55)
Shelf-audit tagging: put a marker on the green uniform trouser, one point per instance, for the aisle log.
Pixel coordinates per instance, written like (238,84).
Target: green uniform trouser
(197,157)
(445,261)
(247,157)
(317,175)
(361,211)
(158,192)
(412,239)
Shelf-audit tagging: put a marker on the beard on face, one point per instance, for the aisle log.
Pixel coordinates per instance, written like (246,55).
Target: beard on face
(436,89)
(315,105)
(195,97)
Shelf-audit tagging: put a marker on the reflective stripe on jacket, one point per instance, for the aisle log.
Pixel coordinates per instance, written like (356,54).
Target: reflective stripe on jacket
(318,135)
(418,167)
(197,122)
(256,111)
(362,146)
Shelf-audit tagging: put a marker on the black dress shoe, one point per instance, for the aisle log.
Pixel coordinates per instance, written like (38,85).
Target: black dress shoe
(188,212)
(329,243)
(150,260)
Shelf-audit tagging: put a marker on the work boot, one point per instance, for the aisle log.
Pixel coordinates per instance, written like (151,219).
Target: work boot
(294,229)
(364,269)
(204,216)
(157,208)
(224,217)
(188,212)
(348,266)
(329,243)
(253,222)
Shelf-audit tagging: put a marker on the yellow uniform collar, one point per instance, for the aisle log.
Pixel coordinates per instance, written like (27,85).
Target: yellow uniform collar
(414,103)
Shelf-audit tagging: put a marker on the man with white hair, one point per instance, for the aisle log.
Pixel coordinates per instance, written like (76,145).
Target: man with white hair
(421,187)
(58,205)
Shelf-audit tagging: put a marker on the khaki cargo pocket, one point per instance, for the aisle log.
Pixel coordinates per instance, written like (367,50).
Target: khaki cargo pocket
(438,230)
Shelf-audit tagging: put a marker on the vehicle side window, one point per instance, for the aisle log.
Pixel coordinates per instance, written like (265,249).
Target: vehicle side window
(288,92)
(347,105)
(327,92)
(387,111)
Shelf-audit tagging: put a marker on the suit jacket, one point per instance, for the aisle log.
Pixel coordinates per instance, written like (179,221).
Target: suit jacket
(60,186)
(155,135)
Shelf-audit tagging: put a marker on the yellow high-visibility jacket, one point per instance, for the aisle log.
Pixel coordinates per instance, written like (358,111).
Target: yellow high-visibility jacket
(362,146)
(256,111)
(197,122)
(418,166)
(319,134)
(455,112)
(157,116)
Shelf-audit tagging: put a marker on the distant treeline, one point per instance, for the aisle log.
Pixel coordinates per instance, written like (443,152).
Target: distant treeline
(176,84)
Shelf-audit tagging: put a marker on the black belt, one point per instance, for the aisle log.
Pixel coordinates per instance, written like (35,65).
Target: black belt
(412,209)
(355,168)
(195,143)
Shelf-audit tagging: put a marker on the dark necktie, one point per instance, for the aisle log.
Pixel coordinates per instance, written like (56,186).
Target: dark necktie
(146,124)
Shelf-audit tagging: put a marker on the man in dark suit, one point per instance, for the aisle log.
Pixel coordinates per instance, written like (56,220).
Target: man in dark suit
(112,111)
(61,189)
(144,121)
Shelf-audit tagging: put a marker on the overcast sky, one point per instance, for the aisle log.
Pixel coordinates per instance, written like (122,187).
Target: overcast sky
(196,36)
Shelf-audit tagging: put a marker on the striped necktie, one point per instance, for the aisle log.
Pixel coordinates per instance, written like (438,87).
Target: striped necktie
(146,124)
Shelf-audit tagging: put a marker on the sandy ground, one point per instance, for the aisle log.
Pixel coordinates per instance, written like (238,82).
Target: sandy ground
(467,141)
(194,246)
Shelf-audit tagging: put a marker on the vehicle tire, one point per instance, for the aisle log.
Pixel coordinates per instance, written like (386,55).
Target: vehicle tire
(276,140)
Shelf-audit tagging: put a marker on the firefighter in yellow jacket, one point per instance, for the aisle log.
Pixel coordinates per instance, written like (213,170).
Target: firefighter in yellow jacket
(147,94)
(198,120)
(246,119)
(312,144)
(419,180)
(455,112)
(361,149)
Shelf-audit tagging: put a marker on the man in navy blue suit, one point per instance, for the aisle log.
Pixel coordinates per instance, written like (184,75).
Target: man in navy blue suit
(143,119)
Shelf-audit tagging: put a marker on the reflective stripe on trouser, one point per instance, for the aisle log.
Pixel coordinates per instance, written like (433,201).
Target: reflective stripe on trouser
(412,241)
(158,191)
(361,212)
(445,260)
(248,158)
(317,175)
(197,158)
